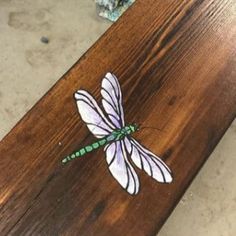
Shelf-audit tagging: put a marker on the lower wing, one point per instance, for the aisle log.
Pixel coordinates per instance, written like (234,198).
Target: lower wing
(121,168)
(148,161)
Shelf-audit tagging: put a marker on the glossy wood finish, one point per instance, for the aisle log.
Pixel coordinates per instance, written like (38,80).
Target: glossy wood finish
(176,64)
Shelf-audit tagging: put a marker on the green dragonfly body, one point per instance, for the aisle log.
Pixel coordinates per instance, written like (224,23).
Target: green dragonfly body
(116,135)
(120,148)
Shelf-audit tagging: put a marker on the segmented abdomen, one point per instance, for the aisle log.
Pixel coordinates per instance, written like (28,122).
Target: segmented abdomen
(88,148)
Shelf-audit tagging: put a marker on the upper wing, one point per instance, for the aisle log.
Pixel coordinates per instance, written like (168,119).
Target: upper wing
(112,100)
(90,113)
(121,168)
(147,161)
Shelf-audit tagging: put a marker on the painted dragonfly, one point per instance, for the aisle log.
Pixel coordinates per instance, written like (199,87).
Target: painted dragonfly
(112,133)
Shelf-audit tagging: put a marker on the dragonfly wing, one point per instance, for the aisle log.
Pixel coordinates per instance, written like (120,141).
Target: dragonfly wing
(112,100)
(120,167)
(92,115)
(148,161)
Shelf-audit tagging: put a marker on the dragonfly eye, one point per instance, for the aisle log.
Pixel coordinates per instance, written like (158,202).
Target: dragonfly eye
(136,126)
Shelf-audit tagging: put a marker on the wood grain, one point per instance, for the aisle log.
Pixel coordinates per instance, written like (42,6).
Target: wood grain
(176,64)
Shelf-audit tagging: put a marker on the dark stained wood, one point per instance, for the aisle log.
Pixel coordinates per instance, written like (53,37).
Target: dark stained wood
(176,64)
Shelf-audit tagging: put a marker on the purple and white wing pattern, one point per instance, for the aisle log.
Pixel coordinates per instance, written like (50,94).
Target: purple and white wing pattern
(117,151)
(120,167)
(148,161)
(112,100)
(92,115)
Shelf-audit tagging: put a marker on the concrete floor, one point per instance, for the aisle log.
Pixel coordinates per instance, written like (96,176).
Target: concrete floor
(28,68)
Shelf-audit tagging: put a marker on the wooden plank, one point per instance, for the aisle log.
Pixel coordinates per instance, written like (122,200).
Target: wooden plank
(176,64)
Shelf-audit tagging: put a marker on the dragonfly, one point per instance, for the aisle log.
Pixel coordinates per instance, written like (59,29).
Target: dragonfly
(109,127)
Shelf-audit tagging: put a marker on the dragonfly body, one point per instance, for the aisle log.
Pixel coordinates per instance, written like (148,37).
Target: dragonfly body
(109,127)
(116,135)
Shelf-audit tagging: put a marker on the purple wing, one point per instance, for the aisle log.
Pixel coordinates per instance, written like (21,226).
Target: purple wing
(147,161)
(92,115)
(121,168)
(112,100)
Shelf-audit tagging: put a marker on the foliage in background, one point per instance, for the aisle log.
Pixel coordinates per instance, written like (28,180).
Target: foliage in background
(113,9)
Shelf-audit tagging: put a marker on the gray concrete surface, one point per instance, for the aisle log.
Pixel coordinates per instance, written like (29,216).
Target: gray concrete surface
(28,68)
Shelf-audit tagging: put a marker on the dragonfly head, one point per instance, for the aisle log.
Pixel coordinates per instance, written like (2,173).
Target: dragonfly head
(134,127)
